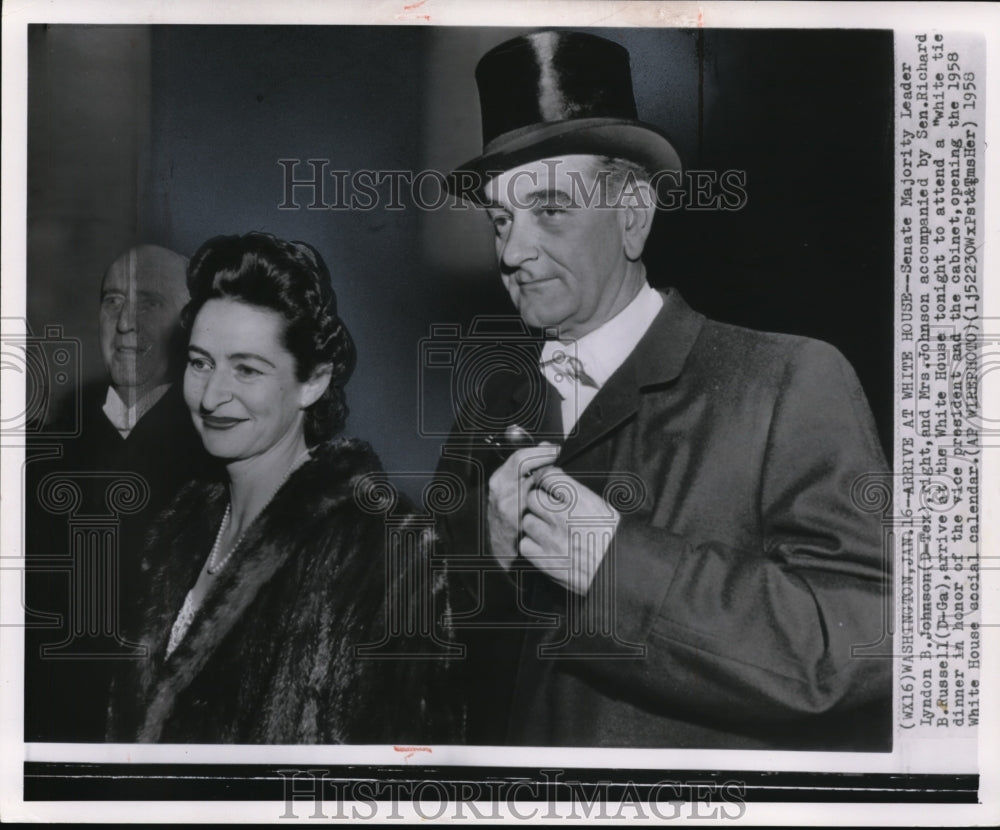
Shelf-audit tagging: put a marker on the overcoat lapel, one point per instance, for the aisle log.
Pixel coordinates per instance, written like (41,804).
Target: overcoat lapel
(656,360)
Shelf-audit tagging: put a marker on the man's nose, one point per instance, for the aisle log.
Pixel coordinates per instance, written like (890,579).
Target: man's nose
(217,390)
(126,316)
(519,246)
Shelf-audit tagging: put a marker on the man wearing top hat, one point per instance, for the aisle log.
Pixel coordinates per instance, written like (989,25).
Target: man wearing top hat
(676,552)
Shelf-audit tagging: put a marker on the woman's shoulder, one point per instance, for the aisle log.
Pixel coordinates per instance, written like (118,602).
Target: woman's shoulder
(351,455)
(343,500)
(348,471)
(337,471)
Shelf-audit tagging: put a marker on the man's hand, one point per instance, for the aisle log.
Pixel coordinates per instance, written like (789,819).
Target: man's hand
(508,494)
(568,554)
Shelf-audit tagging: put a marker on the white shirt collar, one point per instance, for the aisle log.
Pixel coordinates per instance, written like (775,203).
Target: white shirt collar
(123,417)
(604,349)
(600,353)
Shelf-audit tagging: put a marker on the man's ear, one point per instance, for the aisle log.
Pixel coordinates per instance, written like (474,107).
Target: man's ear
(639,208)
(316,385)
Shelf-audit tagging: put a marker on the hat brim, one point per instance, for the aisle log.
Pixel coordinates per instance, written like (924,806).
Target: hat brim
(632,140)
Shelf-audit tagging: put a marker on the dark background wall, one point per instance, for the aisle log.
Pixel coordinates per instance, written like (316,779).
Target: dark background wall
(173,134)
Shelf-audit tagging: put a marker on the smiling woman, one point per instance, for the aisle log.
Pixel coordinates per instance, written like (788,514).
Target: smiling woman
(259,636)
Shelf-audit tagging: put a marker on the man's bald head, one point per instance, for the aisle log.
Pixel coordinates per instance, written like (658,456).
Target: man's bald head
(142,295)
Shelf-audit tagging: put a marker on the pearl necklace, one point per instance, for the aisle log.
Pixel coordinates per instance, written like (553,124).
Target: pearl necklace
(214,567)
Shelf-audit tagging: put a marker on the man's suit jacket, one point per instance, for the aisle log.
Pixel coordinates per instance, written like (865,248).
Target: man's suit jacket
(744,600)
(66,696)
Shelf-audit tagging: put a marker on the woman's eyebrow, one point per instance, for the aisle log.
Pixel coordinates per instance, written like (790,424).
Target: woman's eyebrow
(250,356)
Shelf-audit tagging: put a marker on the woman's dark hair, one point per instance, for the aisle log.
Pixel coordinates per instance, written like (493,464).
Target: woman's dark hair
(291,279)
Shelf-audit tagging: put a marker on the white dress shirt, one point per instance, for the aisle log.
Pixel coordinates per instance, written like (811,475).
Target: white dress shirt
(124,417)
(600,352)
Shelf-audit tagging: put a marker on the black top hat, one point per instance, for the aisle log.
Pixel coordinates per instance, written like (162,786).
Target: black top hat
(559,93)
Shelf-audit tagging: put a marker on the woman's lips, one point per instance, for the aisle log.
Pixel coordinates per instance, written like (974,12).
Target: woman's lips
(220,422)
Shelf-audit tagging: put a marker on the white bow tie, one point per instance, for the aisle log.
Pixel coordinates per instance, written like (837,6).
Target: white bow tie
(562,366)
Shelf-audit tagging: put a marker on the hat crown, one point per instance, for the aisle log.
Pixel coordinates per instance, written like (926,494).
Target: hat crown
(551,94)
(549,77)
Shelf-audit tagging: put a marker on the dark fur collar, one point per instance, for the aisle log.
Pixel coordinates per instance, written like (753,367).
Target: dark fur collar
(301,516)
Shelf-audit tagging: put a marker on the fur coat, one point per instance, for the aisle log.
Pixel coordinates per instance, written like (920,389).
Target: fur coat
(270,656)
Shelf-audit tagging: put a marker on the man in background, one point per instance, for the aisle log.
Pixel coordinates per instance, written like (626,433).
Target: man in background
(135,447)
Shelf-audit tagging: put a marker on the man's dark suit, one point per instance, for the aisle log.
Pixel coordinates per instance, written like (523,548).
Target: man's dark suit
(66,699)
(746,572)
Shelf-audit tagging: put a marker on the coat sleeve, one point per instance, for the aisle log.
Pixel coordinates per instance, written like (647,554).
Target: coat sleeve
(787,630)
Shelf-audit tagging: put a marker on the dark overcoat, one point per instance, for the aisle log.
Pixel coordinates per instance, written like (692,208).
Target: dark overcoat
(324,627)
(744,601)
(66,696)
